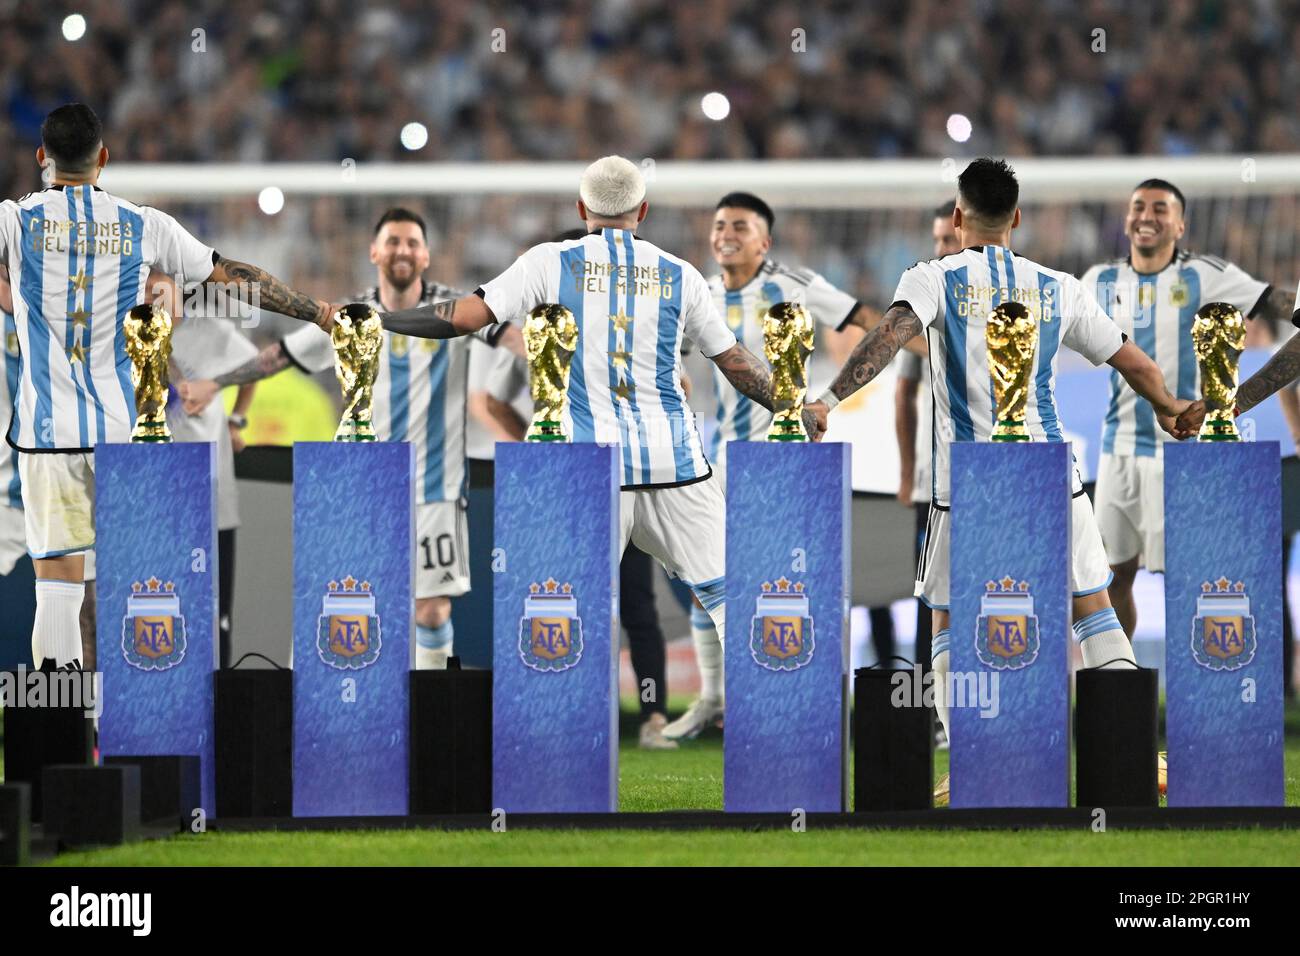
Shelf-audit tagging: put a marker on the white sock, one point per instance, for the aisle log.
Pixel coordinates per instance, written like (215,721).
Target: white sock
(708,654)
(57,631)
(939,658)
(433,646)
(1102,641)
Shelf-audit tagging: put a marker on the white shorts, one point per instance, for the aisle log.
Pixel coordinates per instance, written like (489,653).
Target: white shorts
(1131,509)
(1089,572)
(685,528)
(441,550)
(210,425)
(13,537)
(58,502)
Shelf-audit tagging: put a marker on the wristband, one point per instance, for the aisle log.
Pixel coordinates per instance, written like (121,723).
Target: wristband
(239,421)
(829,400)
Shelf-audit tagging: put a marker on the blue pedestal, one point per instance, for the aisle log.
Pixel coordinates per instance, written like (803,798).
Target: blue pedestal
(1010,625)
(555,654)
(353,606)
(787,648)
(156,609)
(1223,645)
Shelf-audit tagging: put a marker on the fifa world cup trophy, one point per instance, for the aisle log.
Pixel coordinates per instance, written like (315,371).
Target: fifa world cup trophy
(1219,337)
(148,333)
(550,339)
(787,343)
(358,338)
(1012,338)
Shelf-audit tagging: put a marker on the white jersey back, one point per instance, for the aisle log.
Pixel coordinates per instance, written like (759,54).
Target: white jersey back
(953,297)
(744,309)
(78,261)
(634,304)
(10,360)
(1156,311)
(419,393)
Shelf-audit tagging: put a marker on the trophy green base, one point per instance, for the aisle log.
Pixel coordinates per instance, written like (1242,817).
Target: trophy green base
(787,429)
(355,430)
(155,432)
(546,430)
(1219,429)
(1009,431)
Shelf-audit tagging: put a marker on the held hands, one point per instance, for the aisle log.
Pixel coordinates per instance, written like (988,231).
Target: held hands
(197,394)
(1171,416)
(814,420)
(1189,420)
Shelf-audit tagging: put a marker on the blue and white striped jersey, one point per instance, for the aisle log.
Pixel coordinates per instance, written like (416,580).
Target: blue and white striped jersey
(634,303)
(419,393)
(78,259)
(953,297)
(1156,311)
(744,309)
(10,484)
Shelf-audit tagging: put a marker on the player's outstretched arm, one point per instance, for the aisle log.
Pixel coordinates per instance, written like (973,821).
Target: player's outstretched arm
(876,350)
(441,320)
(196,394)
(258,287)
(747,373)
(867,318)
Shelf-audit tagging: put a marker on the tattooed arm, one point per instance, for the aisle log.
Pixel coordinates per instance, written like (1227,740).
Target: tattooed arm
(195,395)
(441,320)
(1281,370)
(258,287)
(876,350)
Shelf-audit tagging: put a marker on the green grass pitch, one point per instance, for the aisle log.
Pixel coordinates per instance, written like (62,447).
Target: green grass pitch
(691,778)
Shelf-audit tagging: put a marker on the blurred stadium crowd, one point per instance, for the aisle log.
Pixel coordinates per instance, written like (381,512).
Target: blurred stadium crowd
(239,80)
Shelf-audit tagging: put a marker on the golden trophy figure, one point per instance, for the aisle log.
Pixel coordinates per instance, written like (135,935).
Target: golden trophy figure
(787,343)
(1219,337)
(148,333)
(358,338)
(550,339)
(1011,335)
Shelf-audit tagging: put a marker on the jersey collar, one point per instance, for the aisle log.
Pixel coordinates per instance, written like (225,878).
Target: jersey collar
(1172,261)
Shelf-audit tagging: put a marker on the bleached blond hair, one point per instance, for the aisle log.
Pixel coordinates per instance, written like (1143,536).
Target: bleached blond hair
(612,187)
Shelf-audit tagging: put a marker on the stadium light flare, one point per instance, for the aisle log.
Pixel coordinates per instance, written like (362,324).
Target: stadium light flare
(270,200)
(414,136)
(74,27)
(715,105)
(959,127)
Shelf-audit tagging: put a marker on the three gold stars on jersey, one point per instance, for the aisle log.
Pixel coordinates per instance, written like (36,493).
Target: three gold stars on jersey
(79,317)
(621,357)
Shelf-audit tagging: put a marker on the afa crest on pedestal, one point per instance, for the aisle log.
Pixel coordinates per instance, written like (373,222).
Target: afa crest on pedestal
(1223,631)
(348,634)
(550,632)
(153,630)
(1006,632)
(781,636)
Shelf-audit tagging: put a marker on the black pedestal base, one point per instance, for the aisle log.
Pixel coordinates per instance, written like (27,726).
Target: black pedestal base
(92,805)
(254,742)
(170,787)
(451,742)
(15,824)
(1115,735)
(893,765)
